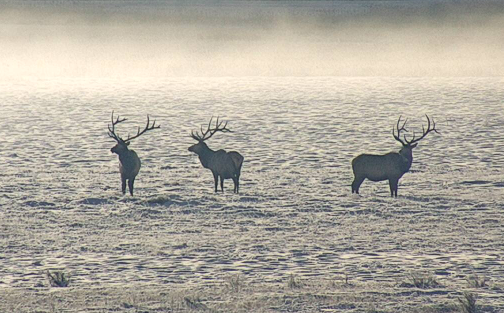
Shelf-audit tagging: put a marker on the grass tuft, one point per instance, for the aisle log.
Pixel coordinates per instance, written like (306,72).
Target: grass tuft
(468,303)
(476,281)
(347,283)
(58,279)
(420,280)
(234,283)
(195,303)
(293,283)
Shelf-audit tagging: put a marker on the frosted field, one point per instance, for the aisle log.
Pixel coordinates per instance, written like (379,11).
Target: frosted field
(294,240)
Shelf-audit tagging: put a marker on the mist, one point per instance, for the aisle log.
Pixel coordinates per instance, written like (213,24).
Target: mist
(251,38)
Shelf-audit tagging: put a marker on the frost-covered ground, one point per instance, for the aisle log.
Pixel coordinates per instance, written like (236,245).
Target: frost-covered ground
(294,239)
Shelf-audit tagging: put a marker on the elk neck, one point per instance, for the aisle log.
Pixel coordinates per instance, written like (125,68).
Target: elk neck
(205,154)
(407,153)
(125,154)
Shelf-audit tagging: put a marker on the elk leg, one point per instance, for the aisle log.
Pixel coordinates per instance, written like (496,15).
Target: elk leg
(131,181)
(216,180)
(356,184)
(393,187)
(123,185)
(222,183)
(236,181)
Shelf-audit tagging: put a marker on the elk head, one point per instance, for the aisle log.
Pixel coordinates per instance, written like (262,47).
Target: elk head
(408,145)
(122,144)
(201,146)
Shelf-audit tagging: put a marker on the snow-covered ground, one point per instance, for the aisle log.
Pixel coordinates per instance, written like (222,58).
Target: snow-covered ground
(292,236)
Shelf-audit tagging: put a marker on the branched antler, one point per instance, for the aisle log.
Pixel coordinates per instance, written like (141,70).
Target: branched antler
(209,132)
(398,137)
(118,120)
(407,142)
(147,128)
(424,132)
(111,129)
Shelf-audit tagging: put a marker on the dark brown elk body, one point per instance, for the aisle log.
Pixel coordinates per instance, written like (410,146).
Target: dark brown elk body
(129,165)
(391,166)
(224,165)
(129,162)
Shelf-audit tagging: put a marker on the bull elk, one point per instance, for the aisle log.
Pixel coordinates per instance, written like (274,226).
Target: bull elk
(222,164)
(129,162)
(390,166)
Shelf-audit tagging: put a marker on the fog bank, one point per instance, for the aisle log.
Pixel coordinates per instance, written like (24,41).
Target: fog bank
(251,38)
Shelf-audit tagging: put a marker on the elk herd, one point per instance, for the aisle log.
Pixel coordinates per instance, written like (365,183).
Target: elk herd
(227,165)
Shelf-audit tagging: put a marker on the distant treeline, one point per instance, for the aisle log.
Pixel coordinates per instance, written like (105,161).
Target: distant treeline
(258,12)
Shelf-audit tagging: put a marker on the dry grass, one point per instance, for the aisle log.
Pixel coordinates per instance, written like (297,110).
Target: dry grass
(476,281)
(58,278)
(420,280)
(468,302)
(293,282)
(310,296)
(234,283)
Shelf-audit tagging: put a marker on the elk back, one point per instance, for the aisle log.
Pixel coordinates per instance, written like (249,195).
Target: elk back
(380,167)
(223,164)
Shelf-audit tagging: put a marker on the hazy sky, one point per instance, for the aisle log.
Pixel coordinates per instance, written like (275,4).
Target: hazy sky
(251,38)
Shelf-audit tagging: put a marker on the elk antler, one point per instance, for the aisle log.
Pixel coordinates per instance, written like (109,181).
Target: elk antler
(398,137)
(111,131)
(424,132)
(147,127)
(210,131)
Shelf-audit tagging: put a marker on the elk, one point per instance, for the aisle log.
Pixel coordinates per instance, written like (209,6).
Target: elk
(129,162)
(391,166)
(222,164)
